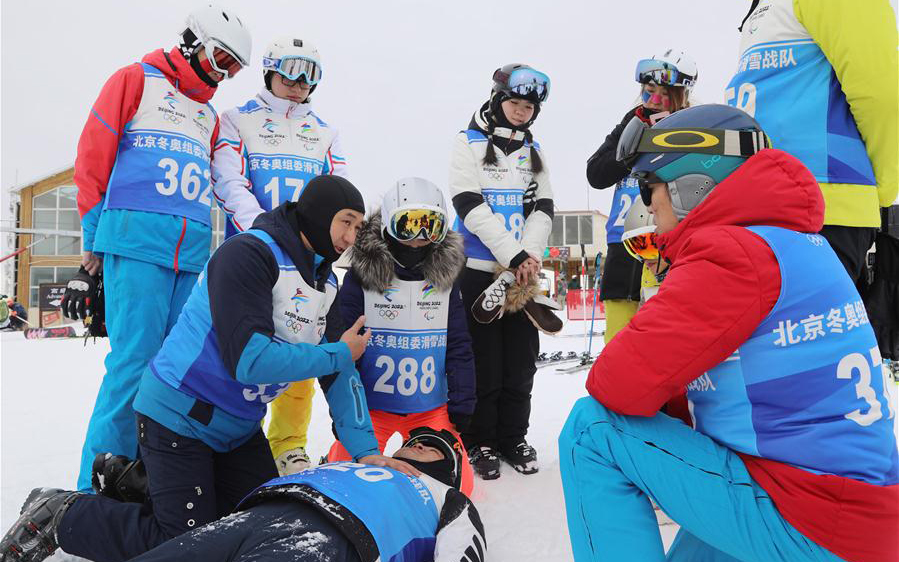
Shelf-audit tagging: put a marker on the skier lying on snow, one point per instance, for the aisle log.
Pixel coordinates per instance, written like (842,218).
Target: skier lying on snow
(345,512)
(793,456)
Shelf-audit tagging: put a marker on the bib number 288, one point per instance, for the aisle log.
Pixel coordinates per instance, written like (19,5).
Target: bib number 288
(408,382)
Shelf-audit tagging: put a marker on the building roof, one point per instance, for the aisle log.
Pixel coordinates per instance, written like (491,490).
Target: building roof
(61,171)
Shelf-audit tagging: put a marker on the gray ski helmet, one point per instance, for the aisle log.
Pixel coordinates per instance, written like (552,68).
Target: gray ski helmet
(638,220)
(521,81)
(691,176)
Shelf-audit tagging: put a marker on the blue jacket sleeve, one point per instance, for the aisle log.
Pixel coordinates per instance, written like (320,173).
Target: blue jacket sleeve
(241,275)
(459,358)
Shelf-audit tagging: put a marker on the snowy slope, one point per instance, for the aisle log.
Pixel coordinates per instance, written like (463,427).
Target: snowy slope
(47,390)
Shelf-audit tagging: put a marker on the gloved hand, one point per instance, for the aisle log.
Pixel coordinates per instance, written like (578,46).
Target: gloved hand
(460,421)
(80,295)
(489,304)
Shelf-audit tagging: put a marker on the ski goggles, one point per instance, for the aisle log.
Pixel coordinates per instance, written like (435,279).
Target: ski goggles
(293,68)
(637,138)
(421,222)
(641,244)
(525,82)
(222,59)
(662,73)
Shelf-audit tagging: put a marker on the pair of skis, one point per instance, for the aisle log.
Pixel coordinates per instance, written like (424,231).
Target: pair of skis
(587,358)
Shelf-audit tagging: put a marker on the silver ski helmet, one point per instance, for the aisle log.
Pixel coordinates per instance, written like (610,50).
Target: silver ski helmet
(415,208)
(670,68)
(295,59)
(691,150)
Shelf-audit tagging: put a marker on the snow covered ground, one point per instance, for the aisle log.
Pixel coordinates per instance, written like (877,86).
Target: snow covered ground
(48,387)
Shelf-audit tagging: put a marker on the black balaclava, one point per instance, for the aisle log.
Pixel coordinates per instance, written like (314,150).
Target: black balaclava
(407,256)
(441,470)
(188,46)
(324,197)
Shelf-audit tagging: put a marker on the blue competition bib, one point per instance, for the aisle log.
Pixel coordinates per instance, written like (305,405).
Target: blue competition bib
(404,367)
(626,192)
(163,158)
(808,387)
(398,510)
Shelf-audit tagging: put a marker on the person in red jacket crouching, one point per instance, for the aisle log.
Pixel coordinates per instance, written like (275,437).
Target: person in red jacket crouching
(793,456)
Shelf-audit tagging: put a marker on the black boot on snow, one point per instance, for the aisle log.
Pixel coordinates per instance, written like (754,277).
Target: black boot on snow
(119,478)
(32,537)
(484,462)
(522,457)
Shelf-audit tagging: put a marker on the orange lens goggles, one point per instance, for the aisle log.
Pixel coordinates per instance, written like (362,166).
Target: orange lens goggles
(642,246)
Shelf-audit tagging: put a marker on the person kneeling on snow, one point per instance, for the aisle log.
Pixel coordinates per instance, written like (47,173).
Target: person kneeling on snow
(792,457)
(261,316)
(349,512)
(418,368)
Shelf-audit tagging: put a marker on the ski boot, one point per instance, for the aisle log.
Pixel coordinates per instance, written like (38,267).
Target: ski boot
(119,478)
(556,356)
(522,457)
(32,537)
(571,355)
(542,357)
(292,461)
(484,462)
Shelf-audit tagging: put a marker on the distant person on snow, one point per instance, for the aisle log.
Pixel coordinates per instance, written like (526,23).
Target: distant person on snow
(349,512)
(503,200)
(262,315)
(268,151)
(418,368)
(13,315)
(142,173)
(792,456)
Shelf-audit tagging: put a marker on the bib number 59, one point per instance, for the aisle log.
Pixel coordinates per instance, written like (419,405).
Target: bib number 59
(191,181)
(408,382)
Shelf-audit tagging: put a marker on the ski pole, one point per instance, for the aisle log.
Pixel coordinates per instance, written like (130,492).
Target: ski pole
(593,315)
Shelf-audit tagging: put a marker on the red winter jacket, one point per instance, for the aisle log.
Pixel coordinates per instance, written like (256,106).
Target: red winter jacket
(722,283)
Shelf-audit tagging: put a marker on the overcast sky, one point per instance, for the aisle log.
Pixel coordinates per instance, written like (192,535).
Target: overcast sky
(400,77)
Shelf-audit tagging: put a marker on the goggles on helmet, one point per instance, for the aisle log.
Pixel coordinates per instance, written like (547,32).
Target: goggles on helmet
(422,222)
(525,82)
(662,73)
(637,138)
(222,59)
(442,440)
(293,68)
(641,243)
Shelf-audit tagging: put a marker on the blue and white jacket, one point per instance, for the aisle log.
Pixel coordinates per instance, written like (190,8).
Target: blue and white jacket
(259,318)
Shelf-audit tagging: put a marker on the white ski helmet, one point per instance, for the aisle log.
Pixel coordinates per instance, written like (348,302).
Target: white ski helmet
(224,37)
(669,68)
(414,195)
(293,59)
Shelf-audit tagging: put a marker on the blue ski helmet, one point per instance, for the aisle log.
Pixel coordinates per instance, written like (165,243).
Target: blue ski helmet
(691,150)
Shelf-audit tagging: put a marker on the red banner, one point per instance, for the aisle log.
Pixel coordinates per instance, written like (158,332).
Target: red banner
(576,308)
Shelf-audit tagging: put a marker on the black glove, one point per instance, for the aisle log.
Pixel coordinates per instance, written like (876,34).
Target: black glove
(460,421)
(80,295)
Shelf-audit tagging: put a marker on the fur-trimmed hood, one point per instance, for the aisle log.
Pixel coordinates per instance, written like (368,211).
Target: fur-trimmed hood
(376,268)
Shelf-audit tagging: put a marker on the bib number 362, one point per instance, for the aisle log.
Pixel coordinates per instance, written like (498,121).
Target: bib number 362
(191,181)
(408,382)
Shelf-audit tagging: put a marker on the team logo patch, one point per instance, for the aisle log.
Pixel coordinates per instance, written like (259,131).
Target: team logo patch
(170,99)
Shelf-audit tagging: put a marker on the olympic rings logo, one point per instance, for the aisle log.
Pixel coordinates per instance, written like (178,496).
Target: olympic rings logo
(496,176)
(171,117)
(388,314)
(272,142)
(294,325)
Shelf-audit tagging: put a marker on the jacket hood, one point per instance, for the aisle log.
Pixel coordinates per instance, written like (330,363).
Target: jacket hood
(771,188)
(376,268)
(182,76)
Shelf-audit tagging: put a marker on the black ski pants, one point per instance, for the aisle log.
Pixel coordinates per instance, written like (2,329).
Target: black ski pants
(189,483)
(851,244)
(279,530)
(505,354)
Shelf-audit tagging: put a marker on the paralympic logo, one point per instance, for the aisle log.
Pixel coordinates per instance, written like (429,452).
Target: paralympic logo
(305,128)
(269,125)
(522,160)
(201,115)
(391,289)
(427,290)
(171,99)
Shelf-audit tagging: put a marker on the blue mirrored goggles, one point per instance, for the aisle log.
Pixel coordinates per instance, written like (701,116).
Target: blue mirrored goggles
(293,68)
(661,73)
(525,82)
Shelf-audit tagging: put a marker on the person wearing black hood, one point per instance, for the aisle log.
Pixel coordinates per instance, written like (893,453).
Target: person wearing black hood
(418,369)
(349,512)
(261,316)
(503,198)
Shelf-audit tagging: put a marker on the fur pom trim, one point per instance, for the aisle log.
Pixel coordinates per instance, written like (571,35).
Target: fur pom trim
(374,266)
(516,295)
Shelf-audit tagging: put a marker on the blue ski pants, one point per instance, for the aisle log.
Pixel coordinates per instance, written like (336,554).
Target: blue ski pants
(613,464)
(143,301)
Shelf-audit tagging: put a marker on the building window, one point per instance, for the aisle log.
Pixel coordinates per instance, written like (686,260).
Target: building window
(218,227)
(42,274)
(56,210)
(571,230)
